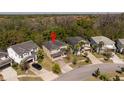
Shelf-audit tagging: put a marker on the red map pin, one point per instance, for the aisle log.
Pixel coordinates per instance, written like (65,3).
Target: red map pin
(53,37)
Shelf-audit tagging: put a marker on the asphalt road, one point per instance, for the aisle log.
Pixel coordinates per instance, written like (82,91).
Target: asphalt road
(84,72)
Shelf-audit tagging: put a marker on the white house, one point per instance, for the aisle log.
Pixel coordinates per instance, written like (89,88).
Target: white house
(25,51)
(56,50)
(108,44)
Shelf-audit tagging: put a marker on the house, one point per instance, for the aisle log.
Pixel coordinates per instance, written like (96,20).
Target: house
(56,50)
(25,51)
(102,44)
(78,44)
(4,60)
(120,45)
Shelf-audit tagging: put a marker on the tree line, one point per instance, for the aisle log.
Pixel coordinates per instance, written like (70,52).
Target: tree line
(16,29)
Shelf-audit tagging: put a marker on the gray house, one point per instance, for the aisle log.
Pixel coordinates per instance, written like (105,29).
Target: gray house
(120,45)
(78,44)
(56,50)
(102,44)
(4,60)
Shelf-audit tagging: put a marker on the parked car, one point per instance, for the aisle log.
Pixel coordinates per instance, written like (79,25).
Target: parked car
(37,66)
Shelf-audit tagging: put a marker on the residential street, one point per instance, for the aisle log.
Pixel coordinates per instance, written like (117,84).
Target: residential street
(93,59)
(44,74)
(64,67)
(9,74)
(116,59)
(85,72)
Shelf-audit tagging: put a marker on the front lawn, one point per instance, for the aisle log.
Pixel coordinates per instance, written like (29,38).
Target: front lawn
(71,57)
(47,63)
(121,56)
(79,64)
(30,79)
(98,55)
(20,71)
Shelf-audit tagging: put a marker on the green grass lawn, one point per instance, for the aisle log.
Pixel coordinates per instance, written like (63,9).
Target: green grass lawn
(98,55)
(120,55)
(19,70)
(70,59)
(47,63)
(79,64)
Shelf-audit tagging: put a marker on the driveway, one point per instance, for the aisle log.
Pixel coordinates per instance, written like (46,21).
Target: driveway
(44,74)
(64,67)
(116,59)
(9,74)
(93,59)
(85,72)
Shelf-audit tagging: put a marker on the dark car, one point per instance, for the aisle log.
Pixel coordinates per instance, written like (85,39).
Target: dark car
(37,66)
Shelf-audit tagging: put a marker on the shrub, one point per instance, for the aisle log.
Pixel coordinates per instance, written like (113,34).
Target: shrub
(56,68)
(74,62)
(122,69)
(40,55)
(96,73)
(108,55)
(104,77)
(119,71)
(116,78)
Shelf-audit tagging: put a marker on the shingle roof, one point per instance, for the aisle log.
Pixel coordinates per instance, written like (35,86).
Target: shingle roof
(106,40)
(74,40)
(3,54)
(6,61)
(51,46)
(121,41)
(24,47)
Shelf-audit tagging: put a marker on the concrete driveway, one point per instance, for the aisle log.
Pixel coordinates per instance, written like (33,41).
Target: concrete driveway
(44,74)
(93,59)
(9,74)
(116,59)
(64,67)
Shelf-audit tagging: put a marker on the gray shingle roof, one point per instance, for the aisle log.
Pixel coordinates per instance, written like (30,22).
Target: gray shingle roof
(6,61)
(51,46)
(24,47)
(74,40)
(121,41)
(106,40)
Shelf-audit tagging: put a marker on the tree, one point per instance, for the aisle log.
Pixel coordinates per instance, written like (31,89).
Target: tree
(108,55)
(104,77)
(100,45)
(116,78)
(74,62)
(24,65)
(40,55)
(96,73)
(76,49)
(56,68)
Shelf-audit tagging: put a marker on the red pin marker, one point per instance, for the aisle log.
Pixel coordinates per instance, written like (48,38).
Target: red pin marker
(53,37)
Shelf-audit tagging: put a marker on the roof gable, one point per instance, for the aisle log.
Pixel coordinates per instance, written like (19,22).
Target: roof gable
(24,47)
(104,39)
(56,45)
(74,40)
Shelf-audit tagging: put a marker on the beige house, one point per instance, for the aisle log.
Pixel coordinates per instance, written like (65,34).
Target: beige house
(56,50)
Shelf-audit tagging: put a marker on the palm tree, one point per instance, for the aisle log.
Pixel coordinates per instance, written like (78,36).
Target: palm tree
(81,43)
(76,49)
(100,45)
